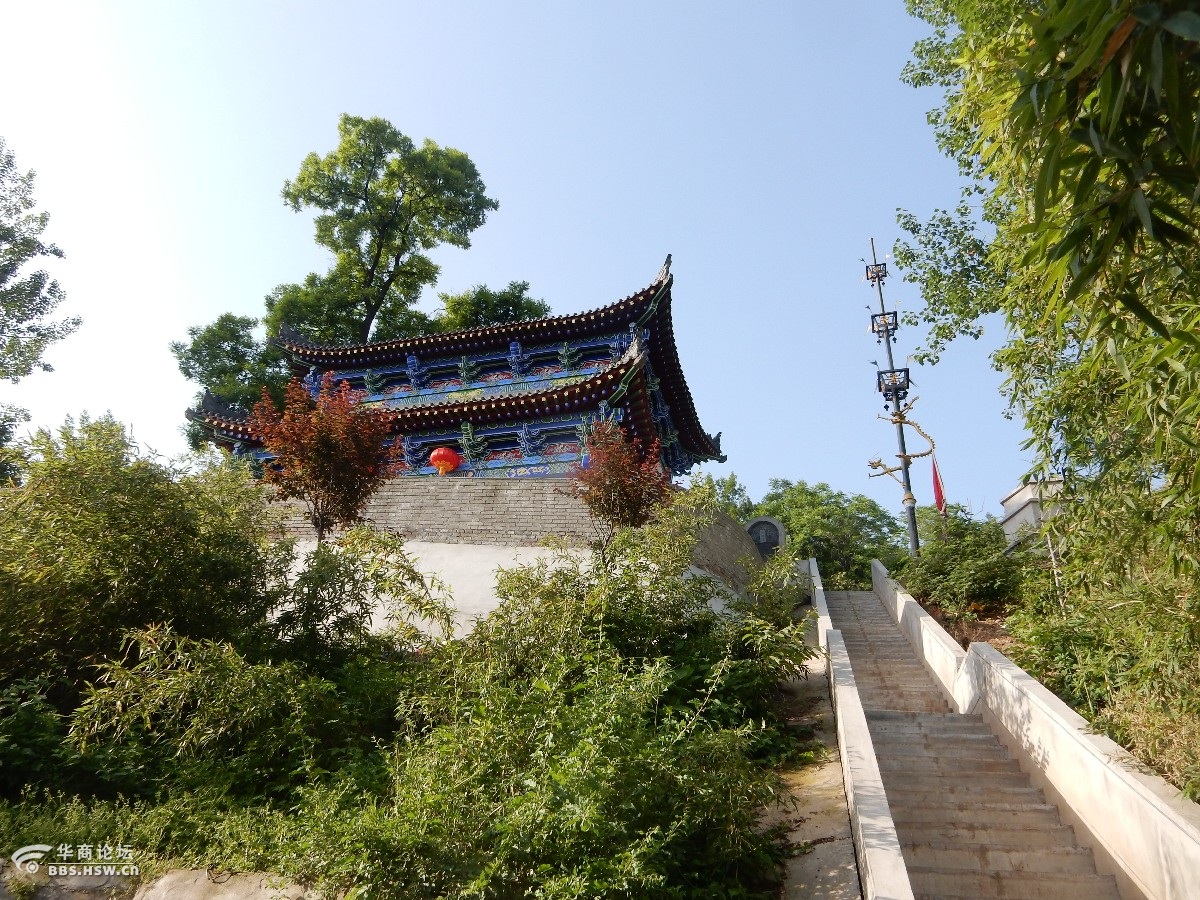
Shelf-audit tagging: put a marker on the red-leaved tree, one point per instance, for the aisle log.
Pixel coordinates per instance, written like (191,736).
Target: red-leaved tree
(329,451)
(621,486)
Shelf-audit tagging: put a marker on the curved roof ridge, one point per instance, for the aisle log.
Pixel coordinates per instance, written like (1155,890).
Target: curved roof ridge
(289,338)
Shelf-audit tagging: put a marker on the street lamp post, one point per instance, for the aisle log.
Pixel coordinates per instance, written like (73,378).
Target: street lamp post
(894,384)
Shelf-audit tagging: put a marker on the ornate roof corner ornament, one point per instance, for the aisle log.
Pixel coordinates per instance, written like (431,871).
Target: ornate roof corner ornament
(716,442)
(665,272)
(213,406)
(289,335)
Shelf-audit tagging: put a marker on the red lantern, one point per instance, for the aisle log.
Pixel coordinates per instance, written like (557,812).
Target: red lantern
(444,459)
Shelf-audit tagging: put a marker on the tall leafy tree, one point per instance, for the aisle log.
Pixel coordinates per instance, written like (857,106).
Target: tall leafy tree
(11,457)
(730,494)
(1075,125)
(844,532)
(482,306)
(382,203)
(27,298)
(230,362)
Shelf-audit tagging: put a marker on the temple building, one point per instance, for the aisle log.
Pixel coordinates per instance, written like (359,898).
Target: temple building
(514,400)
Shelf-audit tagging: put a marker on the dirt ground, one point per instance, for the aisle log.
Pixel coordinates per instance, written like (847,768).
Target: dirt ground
(990,630)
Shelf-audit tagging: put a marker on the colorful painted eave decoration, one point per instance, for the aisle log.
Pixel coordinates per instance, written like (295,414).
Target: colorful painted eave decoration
(584,395)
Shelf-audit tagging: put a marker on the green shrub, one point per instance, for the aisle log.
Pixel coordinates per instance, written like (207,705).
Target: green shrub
(99,540)
(602,734)
(31,735)
(1124,655)
(963,567)
(195,714)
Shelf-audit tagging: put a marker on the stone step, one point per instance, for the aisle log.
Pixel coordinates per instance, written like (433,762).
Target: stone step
(901,697)
(966,781)
(969,833)
(952,794)
(924,736)
(999,859)
(931,883)
(914,722)
(900,650)
(945,765)
(907,702)
(991,811)
(900,693)
(931,733)
(891,672)
(885,676)
(886,704)
(900,664)
(977,750)
(938,742)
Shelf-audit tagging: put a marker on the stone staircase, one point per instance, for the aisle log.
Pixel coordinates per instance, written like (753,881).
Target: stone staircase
(970,823)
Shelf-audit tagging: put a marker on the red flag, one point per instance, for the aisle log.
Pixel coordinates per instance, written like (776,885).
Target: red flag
(939,495)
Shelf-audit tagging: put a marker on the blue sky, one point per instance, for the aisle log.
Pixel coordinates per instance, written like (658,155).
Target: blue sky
(762,145)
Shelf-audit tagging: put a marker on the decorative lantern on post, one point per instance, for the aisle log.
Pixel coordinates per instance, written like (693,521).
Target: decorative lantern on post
(445,460)
(894,384)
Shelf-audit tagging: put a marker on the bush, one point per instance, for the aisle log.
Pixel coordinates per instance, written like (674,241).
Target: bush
(963,568)
(1124,655)
(600,735)
(100,539)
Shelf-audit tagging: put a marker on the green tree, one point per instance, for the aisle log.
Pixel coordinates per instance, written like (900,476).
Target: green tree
(844,532)
(27,298)
(11,458)
(230,362)
(480,306)
(963,567)
(1074,123)
(732,496)
(382,203)
(1088,238)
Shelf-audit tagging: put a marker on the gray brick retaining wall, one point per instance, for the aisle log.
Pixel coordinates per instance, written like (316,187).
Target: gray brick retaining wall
(520,513)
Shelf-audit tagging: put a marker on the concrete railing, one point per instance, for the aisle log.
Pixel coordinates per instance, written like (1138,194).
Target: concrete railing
(824,622)
(1140,829)
(881,869)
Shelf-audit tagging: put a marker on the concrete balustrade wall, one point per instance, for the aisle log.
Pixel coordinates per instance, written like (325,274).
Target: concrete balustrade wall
(882,872)
(1139,828)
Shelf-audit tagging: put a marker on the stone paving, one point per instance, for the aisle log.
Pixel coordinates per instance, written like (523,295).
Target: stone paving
(970,823)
